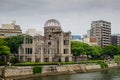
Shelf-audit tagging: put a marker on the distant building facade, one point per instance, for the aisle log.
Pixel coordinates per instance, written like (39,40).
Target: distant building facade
(115,39)
(10,30)
(54,46)
(92,41)
(76,38)
(33,32)
(102,31)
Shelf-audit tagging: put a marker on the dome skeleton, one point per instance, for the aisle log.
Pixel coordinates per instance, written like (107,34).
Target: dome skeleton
(52,23)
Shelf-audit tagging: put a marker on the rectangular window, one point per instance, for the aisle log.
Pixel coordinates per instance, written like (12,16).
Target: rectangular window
(66,42)
(26,50)
(49,43)
(50,37)
(65,51)
(30,50)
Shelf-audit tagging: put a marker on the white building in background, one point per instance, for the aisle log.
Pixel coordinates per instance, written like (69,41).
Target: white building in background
(92,41)
(33,32)
(10,30)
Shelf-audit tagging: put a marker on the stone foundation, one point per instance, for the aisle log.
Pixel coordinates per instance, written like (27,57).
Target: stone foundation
(27,71)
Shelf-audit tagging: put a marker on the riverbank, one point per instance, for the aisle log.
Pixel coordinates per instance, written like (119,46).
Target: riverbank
(18,72)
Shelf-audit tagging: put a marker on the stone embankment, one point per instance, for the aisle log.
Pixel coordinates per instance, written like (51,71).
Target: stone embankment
(27,71)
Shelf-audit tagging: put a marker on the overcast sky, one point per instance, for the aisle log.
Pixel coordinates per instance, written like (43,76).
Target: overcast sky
(74,15)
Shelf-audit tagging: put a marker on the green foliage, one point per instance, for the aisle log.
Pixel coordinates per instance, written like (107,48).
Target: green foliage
(43,63)
(4,50)
(118,50)
(103,64)
(37,69)
(109,50)
(96,52)
(117,59)
(14,60)
(2,63)
(2,42)
(78,48)
(14,42)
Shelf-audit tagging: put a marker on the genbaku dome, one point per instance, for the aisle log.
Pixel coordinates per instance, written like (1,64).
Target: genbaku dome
(54,46)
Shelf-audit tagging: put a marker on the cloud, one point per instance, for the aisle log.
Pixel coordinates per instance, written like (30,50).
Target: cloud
(74,15)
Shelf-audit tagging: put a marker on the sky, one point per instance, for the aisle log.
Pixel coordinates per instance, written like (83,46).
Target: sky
(74,15)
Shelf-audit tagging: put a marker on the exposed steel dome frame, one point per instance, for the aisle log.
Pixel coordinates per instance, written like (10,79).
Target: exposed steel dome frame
(52,23)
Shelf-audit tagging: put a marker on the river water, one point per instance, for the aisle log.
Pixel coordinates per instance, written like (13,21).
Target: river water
(112,74)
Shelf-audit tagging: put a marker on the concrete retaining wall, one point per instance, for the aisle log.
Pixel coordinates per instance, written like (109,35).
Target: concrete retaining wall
(112,65)
(17,71)
(52,70)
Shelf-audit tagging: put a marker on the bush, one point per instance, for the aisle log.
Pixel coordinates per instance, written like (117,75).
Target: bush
(2,63)
(43,63)
(103,64)
(117,59)
(35,63)
(37,69)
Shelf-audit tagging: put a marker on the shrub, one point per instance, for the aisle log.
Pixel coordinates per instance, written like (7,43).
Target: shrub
(37,69)
(43,63)
(103,64)
(2,63)
(117,59)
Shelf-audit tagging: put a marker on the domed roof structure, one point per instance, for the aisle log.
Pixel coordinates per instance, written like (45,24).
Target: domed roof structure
(52,23)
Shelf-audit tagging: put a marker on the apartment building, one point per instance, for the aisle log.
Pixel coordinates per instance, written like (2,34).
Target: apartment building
(102,31)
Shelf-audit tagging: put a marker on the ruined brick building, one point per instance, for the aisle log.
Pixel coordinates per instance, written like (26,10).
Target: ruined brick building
(54,46)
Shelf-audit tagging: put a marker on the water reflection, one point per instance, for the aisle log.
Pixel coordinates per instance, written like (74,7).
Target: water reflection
(113,74)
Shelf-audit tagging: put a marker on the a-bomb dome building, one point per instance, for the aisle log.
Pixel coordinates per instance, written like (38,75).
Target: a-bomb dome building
(54,46)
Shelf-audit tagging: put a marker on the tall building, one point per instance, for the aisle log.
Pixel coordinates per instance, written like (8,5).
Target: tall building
(54,46)
(10,30)
(115,39)
(102,31)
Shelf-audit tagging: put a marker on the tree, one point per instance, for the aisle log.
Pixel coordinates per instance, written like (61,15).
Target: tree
(118,50)
(4,49)
(97,51)
(14,43)
(109,51)
(2,42)
(76,48)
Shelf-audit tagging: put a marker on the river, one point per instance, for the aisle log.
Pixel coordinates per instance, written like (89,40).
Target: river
(113,74)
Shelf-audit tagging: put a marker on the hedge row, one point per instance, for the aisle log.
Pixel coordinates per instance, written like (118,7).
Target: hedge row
(43,63)
(58,63)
